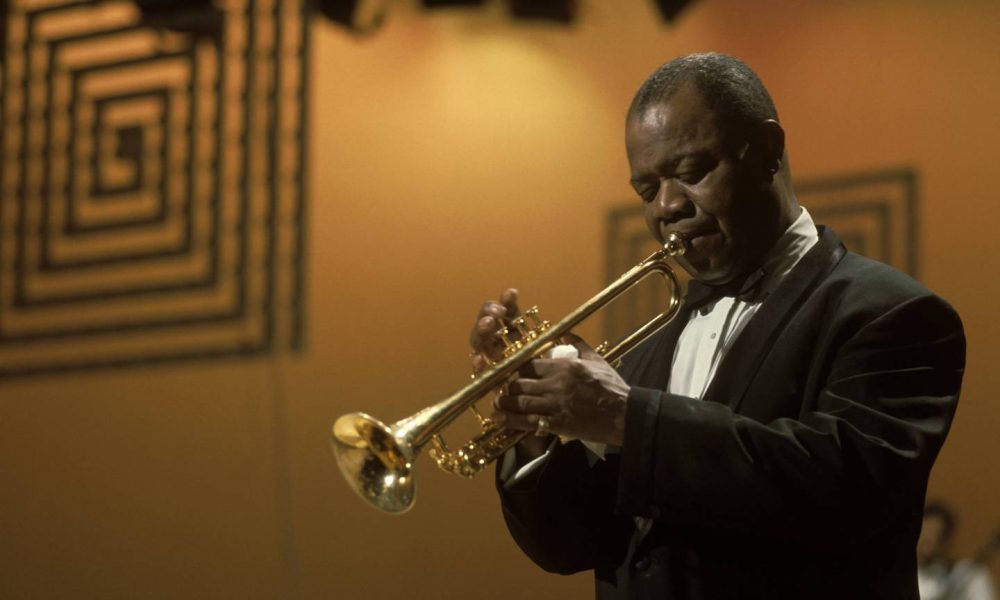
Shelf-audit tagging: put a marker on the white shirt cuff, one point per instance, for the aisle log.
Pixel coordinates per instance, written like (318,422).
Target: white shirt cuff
(595,452)
(510,462)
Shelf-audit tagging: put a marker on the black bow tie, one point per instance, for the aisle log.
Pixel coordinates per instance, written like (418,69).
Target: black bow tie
(702,295)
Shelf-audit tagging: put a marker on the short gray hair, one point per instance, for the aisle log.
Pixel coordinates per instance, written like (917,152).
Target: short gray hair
(731,90)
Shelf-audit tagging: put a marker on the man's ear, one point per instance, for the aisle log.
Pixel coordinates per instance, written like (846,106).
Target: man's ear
(769,139)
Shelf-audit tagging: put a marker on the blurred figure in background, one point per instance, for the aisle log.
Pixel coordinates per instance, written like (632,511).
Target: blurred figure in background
(939,576)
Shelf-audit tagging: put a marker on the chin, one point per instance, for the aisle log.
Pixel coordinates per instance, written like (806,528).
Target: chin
(712,279)
(709,277)
(707,274)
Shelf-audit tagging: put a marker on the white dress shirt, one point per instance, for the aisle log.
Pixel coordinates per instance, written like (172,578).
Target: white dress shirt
(966,580)
(711,331)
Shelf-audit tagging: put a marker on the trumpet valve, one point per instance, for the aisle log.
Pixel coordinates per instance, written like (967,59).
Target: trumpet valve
(484,422)
(504,334)
(439,452)
(522,327)
(536,324)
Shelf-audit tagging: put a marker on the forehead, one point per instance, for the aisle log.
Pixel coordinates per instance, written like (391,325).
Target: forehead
(682,123)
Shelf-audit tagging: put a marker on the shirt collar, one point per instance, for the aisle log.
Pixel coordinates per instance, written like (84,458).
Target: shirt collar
(795,243)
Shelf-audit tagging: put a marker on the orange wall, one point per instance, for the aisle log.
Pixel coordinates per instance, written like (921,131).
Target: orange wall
(453,155)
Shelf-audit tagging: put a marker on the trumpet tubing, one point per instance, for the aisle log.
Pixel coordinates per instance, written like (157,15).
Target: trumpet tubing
(377,459)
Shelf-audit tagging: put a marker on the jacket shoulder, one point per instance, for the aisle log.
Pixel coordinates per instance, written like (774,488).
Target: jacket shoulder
(868,289)
(858,275)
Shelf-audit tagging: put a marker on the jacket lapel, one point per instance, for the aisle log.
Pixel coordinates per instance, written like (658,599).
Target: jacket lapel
(742,361)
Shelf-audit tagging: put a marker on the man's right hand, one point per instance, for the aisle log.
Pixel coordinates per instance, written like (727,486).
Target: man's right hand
(494,314)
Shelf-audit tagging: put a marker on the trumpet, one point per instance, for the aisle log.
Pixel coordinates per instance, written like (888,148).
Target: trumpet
(377,459)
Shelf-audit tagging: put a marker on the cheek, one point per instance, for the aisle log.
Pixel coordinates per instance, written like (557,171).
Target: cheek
(723,206)
(714,195)
(651,222)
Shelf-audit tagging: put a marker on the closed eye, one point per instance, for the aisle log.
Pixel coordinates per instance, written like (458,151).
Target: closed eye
(695,170)
(647,193)
(692,177)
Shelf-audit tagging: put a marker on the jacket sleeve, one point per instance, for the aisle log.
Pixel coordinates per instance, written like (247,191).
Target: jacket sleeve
(559,513)
(859,450)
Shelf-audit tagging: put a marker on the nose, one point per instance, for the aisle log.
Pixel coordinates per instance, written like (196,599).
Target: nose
(671,203)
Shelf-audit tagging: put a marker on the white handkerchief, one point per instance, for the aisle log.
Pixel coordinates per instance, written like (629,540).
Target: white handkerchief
(567,351)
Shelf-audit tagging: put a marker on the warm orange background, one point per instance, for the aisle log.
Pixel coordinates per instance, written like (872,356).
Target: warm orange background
(454,154)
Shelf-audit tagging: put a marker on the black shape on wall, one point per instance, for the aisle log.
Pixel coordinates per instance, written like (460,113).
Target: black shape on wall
(561,11)
(151,191)
(451,3)
(365,17)
(200,17)
(361,17)
(670,9)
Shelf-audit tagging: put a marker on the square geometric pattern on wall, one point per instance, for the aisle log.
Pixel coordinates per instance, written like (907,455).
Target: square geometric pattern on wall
(151,201)
(874,214)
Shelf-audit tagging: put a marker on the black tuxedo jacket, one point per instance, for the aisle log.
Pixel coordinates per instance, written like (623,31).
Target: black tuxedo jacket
(800,474)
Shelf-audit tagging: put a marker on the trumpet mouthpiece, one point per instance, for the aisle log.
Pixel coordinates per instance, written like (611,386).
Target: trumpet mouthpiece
(675,245)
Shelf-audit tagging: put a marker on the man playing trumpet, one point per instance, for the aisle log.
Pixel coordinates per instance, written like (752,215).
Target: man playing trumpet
(775,439)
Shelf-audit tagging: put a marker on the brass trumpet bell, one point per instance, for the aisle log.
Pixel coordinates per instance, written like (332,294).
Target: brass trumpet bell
(375,465)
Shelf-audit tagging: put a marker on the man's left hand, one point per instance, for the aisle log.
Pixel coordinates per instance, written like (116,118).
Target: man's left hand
(581,398)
